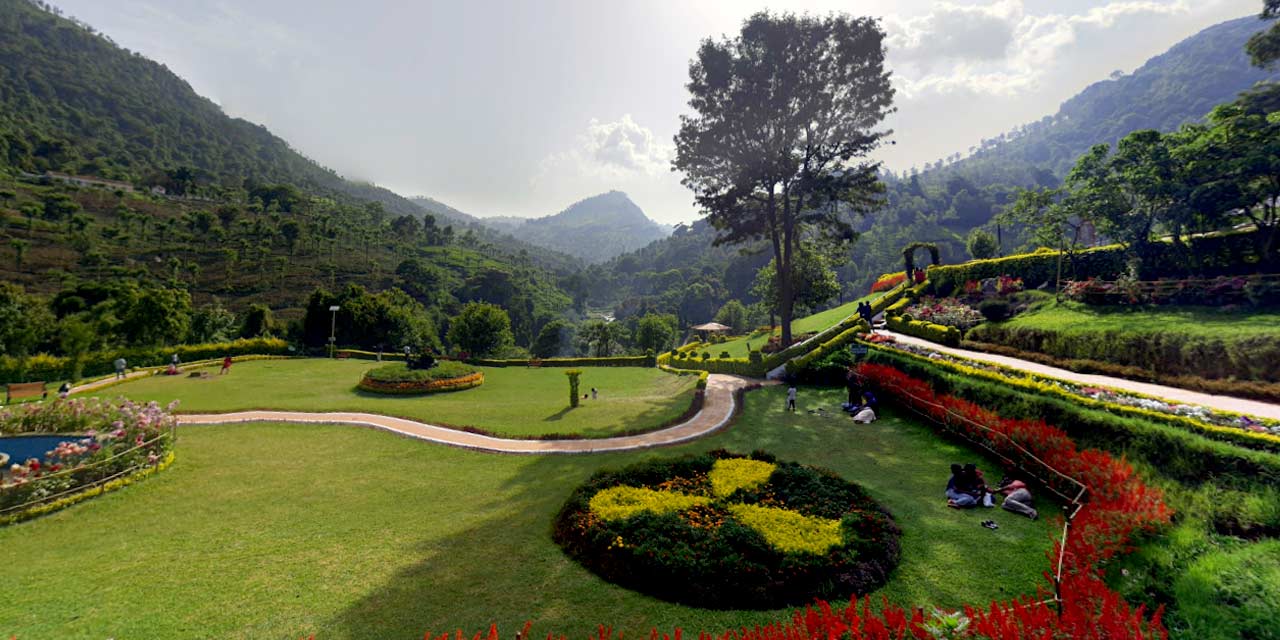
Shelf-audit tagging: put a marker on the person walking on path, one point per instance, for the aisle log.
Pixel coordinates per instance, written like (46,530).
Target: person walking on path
(791,398)
(121,364)
(226,365)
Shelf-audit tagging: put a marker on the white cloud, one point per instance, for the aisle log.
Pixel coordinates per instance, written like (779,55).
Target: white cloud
(996,49)
(621,149)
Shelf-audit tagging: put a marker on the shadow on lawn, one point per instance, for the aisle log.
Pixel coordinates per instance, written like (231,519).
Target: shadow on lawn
(504,568)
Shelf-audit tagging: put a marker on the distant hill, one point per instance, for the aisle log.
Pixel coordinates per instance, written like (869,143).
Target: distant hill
(1178,86)
(594,229)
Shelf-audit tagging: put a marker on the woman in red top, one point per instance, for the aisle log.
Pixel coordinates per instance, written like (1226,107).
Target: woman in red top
(226,365)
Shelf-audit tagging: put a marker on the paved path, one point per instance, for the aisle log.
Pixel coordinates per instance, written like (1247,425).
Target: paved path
(1172,394)
(718,407)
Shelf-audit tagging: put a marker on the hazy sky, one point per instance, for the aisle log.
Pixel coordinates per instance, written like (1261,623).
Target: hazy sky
(521,107)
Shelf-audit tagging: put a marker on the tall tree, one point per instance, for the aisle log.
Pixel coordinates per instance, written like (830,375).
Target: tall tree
(785,114)
(1264,47)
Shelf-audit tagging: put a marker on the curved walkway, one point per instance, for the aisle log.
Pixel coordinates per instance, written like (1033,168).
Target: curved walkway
(718,407)
(1172,394)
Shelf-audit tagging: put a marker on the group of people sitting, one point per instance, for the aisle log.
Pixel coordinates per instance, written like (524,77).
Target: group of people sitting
(967,488)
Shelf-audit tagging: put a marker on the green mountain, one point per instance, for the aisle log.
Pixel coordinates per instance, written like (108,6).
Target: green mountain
(1178,86)
(594,229)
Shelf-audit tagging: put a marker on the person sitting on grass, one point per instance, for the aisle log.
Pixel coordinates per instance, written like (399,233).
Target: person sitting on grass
(957,496)
(865,412)
(1017,498)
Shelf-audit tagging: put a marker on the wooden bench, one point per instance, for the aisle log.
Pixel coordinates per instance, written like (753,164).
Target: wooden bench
(17,390)
(535,362)
(343,355)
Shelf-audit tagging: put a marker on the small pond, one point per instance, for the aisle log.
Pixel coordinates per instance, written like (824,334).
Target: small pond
(20,448)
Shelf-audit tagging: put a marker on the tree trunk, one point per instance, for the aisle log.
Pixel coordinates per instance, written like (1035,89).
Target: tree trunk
(786,295)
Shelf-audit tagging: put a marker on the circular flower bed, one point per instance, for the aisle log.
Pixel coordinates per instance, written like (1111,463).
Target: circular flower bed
(722,530)
(398,378)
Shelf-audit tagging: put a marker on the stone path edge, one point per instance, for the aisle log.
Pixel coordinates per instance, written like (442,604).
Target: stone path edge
(719,407)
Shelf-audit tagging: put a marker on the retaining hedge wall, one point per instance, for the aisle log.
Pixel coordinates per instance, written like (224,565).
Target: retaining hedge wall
(616,361)
(1221,254)
(49,368)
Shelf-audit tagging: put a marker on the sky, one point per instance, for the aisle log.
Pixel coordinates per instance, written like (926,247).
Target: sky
(522,107)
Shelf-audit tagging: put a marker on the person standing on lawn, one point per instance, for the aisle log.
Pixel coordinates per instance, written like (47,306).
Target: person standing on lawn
(791,398)
(226,365)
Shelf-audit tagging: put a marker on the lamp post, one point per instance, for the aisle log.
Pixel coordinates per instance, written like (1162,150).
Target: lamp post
(333,331)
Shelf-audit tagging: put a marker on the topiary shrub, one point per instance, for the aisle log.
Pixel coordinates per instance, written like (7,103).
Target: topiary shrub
(994,310)
(724,355)
(723,530)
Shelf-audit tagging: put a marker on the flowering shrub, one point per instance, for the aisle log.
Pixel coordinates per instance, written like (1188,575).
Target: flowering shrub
(398,378)
(789,531)
(103,441)
(616,503)
(730,474)
(1223,290)
(727,531)
(888,281)
(948,312)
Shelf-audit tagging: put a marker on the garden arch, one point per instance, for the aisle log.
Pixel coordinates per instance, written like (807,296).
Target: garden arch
(909,256)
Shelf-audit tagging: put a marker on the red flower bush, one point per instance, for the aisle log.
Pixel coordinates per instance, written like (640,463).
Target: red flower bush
(888,281)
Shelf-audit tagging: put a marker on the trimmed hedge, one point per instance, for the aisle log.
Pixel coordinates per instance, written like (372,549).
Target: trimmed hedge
(1257,390)
(938,333)
(827,348)
(674,537)
(1223,254)
(1190,458)
(1174,354)
(615,361)
(48,368)
(756,366)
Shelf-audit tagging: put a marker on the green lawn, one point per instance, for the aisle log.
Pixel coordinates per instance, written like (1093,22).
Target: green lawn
(513,401)
(737,347)
(1078,318)
(281,531)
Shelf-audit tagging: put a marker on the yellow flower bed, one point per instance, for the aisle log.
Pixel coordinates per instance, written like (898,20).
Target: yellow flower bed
(731,474)
(616,503)
(789,531)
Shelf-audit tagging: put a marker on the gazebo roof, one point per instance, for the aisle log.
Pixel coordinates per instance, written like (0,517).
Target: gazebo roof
(711,326)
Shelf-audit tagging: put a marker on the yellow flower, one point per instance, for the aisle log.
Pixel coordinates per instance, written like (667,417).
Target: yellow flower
(620,502)
(789,531)
(732,474)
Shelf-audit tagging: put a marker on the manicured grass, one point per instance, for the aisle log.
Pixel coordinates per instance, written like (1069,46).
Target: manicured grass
(737,347)
(1077,318)
(281,531)
(513,401)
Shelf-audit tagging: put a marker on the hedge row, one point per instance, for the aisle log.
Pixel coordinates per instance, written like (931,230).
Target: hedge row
(1265,391)
(938,333)
(47,368)
(827,348)
(750,368)
(1222,254)
(1174,354)
(616,361)
(702,375)
(1182,455)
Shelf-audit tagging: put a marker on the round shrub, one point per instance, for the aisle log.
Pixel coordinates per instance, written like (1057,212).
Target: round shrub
(1234,594)
(724,530)
(399,379)
(994,310)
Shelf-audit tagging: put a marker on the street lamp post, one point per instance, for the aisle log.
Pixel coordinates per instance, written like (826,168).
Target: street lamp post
(333,331)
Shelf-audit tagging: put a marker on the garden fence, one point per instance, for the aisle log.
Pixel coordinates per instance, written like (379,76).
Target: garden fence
(1073,503)
(171,435)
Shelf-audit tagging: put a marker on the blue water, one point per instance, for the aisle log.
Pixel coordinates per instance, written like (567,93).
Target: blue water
(20,448)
